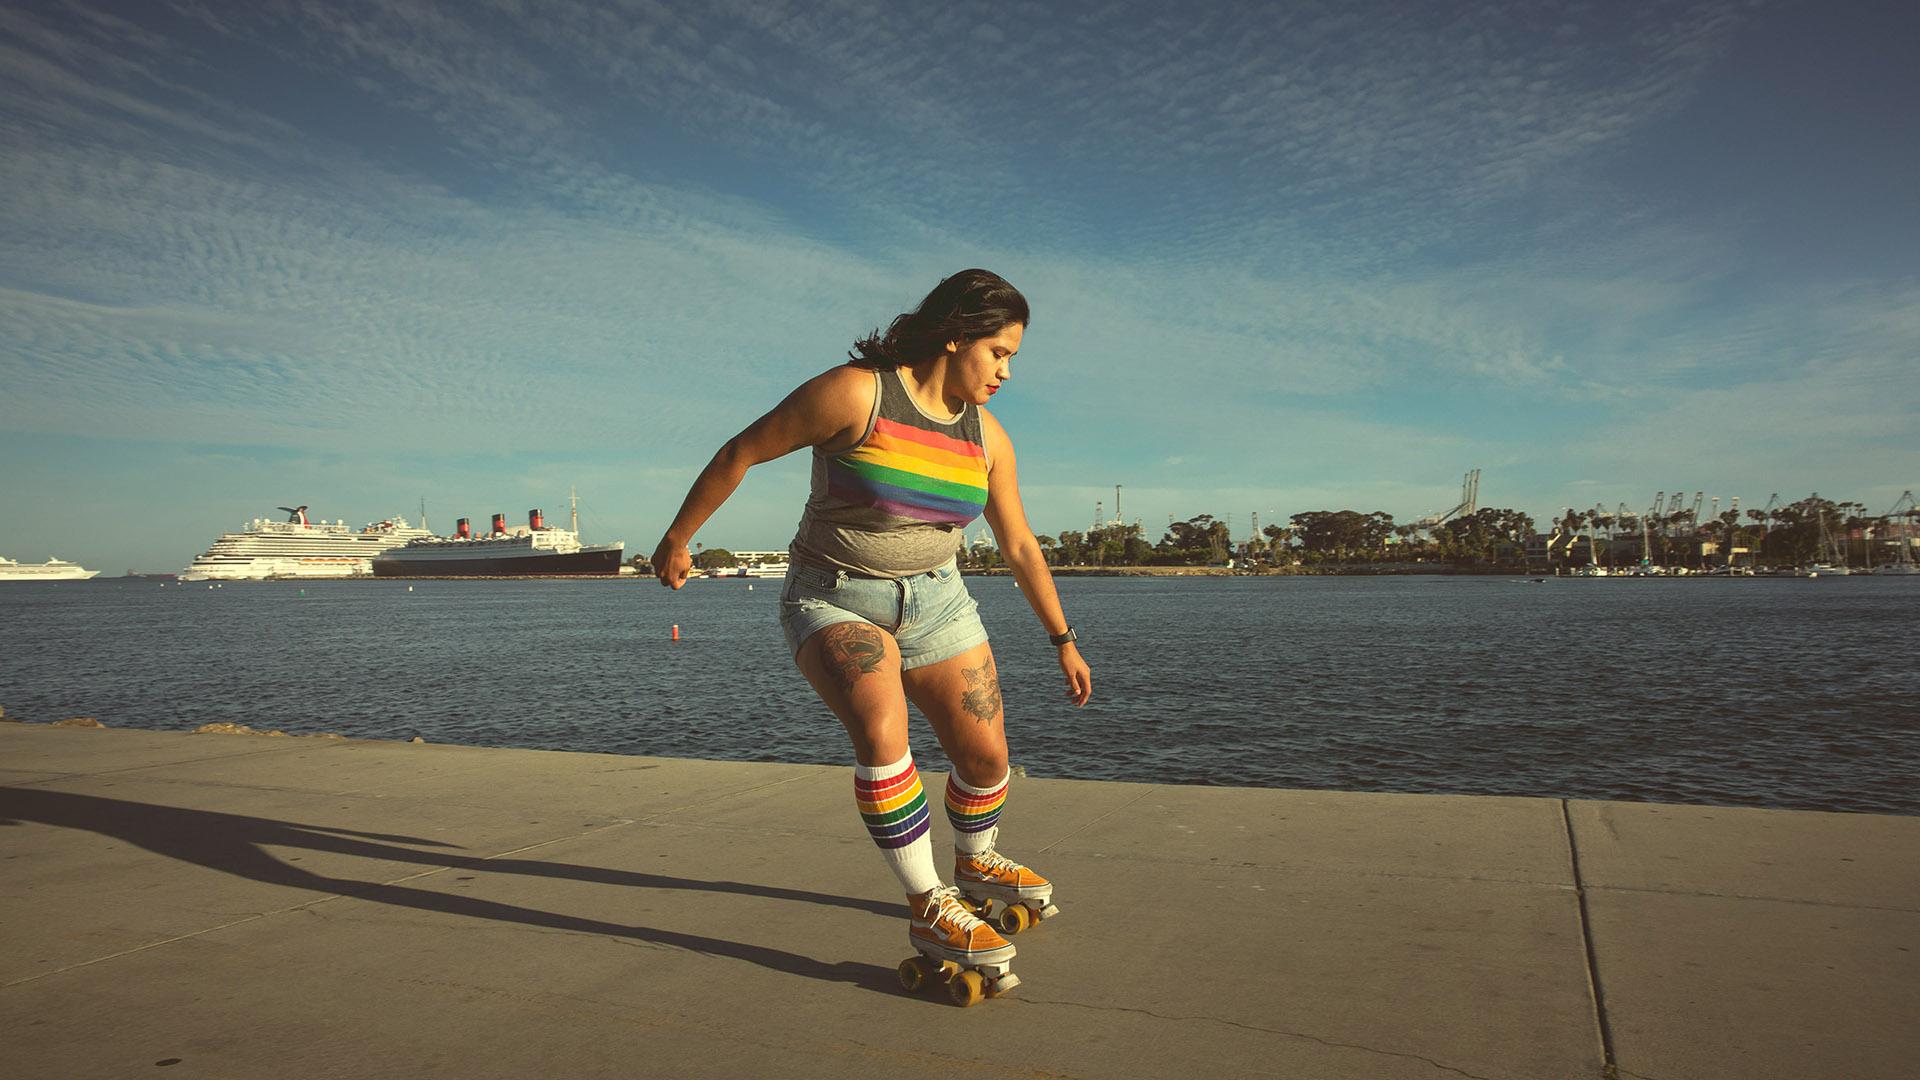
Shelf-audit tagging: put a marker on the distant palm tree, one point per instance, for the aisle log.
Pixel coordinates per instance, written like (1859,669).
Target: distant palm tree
(1729,528)
(1856,521)
(1764,519)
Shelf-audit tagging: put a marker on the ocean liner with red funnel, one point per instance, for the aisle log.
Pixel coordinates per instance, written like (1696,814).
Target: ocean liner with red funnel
(533,550)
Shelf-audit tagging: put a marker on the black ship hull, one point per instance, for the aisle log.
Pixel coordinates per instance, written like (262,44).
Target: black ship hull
(599,563)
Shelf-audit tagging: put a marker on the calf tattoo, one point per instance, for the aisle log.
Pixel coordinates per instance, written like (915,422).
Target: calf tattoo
(853,650)
(982,698)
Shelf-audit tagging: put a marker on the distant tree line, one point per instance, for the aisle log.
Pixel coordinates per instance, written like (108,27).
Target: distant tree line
(1489,537)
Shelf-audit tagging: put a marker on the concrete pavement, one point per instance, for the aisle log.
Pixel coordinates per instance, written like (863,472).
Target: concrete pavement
(242,906)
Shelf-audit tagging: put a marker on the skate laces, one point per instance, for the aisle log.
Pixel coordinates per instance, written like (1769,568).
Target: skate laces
(945,905)
(993,860)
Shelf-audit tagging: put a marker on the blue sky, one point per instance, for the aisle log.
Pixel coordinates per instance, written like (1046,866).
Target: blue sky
(1281,257)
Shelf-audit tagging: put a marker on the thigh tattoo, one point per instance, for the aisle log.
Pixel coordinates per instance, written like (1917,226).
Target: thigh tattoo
(853,650)
(982,698)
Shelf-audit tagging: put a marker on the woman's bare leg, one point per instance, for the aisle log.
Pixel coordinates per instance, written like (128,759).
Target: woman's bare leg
(855,668)
(960,697)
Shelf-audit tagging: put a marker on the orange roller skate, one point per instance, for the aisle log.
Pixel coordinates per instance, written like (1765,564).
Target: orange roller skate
(956,948)
(1025,897)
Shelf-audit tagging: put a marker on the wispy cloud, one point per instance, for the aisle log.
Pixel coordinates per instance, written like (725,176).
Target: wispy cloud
(1261,240)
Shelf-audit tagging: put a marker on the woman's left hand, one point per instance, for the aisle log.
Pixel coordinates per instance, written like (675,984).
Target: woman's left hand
(1079,676)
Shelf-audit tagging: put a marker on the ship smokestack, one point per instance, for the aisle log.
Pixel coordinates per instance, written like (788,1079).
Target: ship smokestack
(535,521)
(499,524)
(463,530)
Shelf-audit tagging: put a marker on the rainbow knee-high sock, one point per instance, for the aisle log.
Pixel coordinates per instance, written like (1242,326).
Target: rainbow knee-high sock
(895,811)
(974,813)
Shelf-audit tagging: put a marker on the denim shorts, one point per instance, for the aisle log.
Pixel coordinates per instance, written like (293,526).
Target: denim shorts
(931,616)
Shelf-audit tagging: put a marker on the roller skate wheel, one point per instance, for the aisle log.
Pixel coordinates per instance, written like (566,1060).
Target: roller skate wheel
(967,988)
(914,973)
(976,907)
(1003,985)
(1015,918)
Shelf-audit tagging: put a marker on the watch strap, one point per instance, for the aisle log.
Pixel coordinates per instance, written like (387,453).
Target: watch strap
(1062,639)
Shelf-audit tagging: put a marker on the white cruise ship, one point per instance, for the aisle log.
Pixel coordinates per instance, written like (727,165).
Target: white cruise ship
(51,570)
(298,548)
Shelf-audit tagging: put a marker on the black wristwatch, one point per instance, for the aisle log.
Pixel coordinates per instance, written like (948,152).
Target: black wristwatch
(1061,639)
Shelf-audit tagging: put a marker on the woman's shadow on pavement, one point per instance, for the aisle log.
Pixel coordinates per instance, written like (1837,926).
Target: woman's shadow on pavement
(236,844)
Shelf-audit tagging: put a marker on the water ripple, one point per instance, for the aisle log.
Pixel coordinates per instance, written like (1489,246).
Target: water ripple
(1783,693)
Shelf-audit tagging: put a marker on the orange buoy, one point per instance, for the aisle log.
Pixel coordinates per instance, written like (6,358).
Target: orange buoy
(676,631)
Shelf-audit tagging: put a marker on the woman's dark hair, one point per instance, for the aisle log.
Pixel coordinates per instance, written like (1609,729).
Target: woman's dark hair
(970,305)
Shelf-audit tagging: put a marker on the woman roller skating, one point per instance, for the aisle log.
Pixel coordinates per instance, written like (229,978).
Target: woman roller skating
(875,611)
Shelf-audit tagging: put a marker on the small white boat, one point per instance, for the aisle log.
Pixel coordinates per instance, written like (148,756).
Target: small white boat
(1827,570)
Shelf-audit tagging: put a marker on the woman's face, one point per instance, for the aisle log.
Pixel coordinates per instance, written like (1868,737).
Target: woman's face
(981,365)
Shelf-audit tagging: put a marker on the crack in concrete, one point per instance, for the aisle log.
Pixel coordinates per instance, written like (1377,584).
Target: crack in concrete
(729,795)
(1098,820)
(1317,868)
(60,775)
(1335,1044)
(954,1063)
(306,907)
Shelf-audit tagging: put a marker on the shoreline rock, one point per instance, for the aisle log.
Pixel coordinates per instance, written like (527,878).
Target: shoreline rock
(225,728)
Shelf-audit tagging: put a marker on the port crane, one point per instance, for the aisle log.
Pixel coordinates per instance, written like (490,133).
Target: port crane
(1469,502)
(1673,513)
(1646,529)
(1903,513)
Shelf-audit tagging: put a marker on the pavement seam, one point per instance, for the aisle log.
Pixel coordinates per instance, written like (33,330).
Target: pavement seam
(815,771)
(1595,988)
(1751,896)
(1315,868)
(1150,790)
(158,765)
(1285,867)
(137,949)
(952,1063)
(1028,1000)
(315,902)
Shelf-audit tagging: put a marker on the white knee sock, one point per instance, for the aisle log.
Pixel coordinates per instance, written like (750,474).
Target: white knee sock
(895,811)
(974,813)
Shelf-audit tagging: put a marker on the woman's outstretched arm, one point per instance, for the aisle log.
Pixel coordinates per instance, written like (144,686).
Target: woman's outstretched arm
(1023,553)
(826,409)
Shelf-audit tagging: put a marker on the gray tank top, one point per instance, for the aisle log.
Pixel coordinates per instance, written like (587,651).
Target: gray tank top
(897,502)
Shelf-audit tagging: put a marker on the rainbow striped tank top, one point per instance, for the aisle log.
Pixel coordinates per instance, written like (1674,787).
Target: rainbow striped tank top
(895,504)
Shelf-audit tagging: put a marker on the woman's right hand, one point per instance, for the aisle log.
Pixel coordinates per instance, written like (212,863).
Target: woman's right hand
(826,409)
(672,563)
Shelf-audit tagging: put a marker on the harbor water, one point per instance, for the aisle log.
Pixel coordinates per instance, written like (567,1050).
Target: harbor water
(1785,693)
